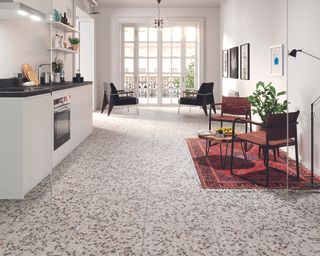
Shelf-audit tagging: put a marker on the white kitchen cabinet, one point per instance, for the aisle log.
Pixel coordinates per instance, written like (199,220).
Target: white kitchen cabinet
(26,137)
(26,144)
(81,119)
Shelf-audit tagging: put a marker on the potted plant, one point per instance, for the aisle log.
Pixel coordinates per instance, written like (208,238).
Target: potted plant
(74,41)
(57,68)
(265,100)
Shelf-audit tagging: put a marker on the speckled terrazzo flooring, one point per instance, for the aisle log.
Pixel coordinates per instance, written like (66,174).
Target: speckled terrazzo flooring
(131,189)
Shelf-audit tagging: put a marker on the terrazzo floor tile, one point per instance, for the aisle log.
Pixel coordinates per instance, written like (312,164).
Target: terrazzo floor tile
(131,189)
(100,238)
(169,238)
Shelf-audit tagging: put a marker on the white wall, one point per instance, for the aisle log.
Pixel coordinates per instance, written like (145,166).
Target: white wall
(24,41)
(87,53)
(303,81)
(67,7)
(262,24)
(107,43)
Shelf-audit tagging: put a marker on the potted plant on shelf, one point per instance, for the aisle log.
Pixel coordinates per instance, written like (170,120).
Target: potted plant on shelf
(265,100)
(74,41)
(57,68)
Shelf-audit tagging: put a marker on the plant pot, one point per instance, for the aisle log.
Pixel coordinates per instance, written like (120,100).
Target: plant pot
(56,77)
(75,47)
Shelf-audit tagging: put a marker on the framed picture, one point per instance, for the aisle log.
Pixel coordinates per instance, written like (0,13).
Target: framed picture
(276,53)
(234,60)
(245,62)
(225,63)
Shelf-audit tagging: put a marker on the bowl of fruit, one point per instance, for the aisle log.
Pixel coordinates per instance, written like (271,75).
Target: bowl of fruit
(223,132)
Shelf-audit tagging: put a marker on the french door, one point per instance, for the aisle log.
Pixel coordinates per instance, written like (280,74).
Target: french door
(157,64)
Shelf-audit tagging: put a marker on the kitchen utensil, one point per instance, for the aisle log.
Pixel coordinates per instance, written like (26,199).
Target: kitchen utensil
(33,77)
(45,78)
(30,74)
(25,69)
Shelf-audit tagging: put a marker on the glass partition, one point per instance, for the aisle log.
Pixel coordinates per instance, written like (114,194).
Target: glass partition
(303,94)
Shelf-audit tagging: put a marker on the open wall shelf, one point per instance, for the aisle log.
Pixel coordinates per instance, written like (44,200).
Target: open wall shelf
(63,50)
(64,27)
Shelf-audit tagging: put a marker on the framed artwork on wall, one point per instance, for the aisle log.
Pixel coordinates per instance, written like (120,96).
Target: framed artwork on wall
(225,63)
(245,62)
(276,55)
(234,60)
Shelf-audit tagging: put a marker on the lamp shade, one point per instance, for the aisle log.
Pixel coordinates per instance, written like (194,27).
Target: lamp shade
(293,53)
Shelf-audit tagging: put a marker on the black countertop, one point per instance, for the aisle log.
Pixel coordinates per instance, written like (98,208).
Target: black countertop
(22,92)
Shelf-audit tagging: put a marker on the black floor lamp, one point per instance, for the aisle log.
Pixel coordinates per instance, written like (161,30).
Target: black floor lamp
(293,53)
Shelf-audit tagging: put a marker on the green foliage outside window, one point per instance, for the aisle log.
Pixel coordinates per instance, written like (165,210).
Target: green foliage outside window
(189,81)
(190,76)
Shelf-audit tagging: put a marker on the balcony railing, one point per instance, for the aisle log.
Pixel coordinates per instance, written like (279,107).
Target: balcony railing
(148,86)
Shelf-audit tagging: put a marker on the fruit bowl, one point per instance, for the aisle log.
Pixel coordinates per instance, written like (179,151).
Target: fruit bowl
(224,131)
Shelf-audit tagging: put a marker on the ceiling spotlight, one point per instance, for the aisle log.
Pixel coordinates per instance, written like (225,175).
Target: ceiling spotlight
(7,7)
(35,17)
(22,12)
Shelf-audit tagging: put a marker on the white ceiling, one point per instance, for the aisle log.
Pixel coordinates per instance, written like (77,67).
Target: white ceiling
(164,3)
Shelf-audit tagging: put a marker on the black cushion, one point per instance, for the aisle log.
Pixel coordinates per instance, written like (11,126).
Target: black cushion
(189,101)
(205,88)
(126,100)
(200,99)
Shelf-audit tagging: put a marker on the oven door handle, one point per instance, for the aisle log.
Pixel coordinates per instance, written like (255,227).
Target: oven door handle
(61,109)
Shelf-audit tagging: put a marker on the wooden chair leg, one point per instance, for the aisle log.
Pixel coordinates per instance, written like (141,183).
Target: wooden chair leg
(110,109)
(259,153)
(232,151)
(213,106)
(246,144)
(104,103)
(205,110)
(210,119)
(297,159)
(275,154)
(267,166)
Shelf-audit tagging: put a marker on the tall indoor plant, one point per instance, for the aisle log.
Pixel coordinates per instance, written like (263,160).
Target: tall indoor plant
(265,100)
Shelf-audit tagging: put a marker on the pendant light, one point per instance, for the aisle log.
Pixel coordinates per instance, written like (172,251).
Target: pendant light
(158,22)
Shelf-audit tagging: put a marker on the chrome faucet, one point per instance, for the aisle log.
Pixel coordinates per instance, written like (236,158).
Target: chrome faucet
(39,68)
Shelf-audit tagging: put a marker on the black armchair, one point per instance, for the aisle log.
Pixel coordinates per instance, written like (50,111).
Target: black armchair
(202,98)
(112,98)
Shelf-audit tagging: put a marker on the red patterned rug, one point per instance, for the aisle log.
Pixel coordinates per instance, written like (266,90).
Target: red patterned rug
(250,173)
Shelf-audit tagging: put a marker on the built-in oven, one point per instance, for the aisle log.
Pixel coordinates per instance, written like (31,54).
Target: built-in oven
(61,121)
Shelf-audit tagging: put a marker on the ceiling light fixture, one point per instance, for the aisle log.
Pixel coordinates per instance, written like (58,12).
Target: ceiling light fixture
(16,10)
(94,7)
(35,17)
(158,23)
(22,13)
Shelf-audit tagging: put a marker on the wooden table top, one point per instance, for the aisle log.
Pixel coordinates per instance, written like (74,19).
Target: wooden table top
(215,138)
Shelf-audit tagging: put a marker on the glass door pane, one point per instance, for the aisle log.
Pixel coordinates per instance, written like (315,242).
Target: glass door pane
(171,64)
(128,58)
(148,65)
(191,57)
(176,53)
